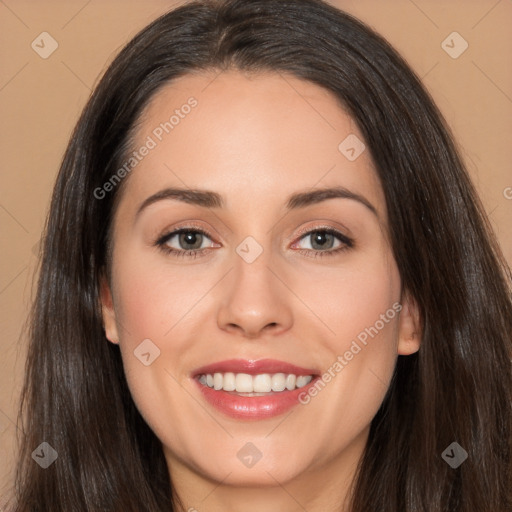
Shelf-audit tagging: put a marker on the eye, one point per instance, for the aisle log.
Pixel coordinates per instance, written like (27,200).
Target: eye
(324,242)
(185,242)
(193,242)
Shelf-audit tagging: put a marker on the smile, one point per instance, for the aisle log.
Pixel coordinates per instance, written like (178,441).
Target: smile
(253,390)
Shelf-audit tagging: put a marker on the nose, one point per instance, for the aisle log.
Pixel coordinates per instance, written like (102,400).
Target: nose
(254,301)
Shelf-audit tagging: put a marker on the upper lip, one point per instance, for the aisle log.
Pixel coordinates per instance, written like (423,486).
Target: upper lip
(253,367)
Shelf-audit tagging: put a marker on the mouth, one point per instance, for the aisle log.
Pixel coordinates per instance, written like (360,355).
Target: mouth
(253,390)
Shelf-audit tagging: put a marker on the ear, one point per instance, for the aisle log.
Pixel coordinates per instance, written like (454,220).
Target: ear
(107,311)
(409,326)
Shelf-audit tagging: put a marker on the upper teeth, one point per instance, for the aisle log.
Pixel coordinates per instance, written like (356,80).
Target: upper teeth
(262,383)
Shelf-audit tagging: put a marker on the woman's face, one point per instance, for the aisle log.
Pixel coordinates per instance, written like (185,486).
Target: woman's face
(288,286)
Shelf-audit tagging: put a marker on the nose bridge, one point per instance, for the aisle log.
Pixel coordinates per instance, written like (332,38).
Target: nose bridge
(251,266)
(255,299)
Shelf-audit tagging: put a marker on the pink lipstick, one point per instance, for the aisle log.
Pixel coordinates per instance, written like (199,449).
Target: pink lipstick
(251,389)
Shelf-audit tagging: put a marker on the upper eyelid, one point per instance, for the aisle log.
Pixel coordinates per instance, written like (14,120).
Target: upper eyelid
(324,227)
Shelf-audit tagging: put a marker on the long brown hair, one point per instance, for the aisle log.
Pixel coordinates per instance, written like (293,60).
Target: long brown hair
(457,388)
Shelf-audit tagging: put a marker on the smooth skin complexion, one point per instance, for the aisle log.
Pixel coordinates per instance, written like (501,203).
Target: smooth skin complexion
(255,140)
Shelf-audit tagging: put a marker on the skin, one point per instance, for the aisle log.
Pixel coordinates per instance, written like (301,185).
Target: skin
(256,139)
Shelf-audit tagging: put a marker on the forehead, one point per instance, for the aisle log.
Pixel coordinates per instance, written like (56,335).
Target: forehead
(259,137)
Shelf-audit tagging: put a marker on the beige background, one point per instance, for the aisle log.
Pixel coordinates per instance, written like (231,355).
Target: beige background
(40,100)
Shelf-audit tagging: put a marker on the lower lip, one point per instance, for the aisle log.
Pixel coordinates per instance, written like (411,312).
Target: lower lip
(253,407)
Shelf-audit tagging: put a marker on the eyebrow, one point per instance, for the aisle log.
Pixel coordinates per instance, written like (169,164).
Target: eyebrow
(210,199)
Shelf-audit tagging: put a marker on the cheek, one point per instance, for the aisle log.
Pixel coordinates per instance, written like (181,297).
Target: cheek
(352,298)
(150,301)
(153,299)
(158,301)
(361,307)
(358,306)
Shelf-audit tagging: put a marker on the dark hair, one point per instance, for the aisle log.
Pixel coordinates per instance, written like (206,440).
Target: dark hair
(456,388)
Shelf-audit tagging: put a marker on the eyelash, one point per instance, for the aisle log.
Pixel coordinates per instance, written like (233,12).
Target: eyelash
(161,243)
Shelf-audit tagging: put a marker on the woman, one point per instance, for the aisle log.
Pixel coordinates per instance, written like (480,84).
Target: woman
(367,370)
